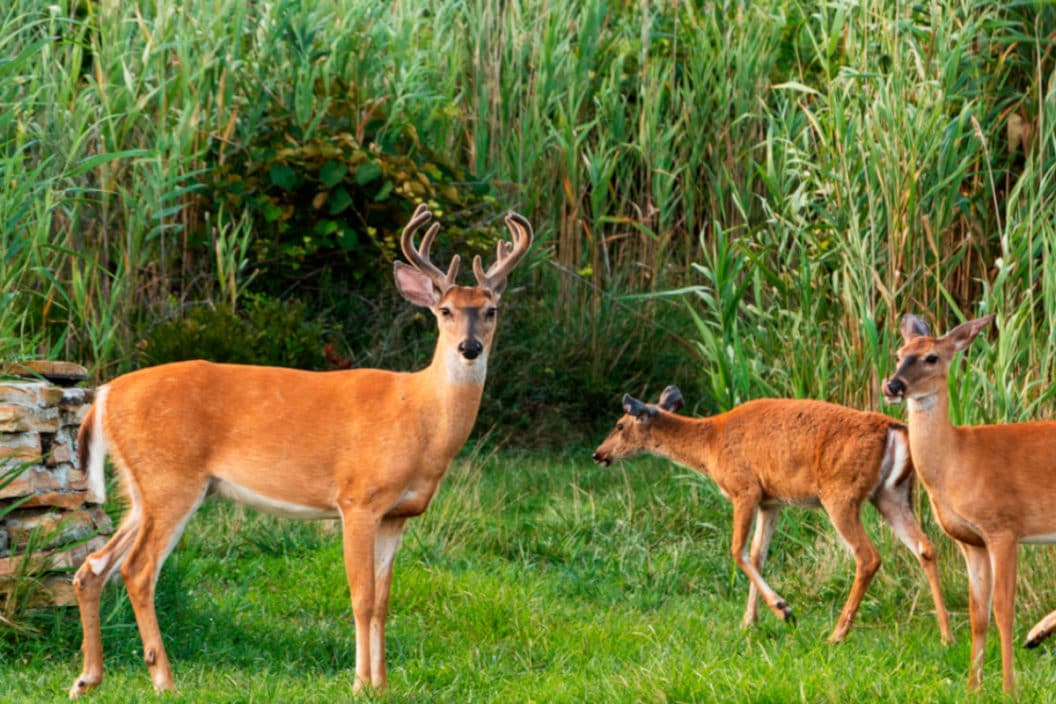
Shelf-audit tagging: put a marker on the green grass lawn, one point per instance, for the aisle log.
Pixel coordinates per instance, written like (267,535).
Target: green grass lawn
(537,579)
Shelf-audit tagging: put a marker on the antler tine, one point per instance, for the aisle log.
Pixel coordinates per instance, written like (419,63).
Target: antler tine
(419,256)
(507,254)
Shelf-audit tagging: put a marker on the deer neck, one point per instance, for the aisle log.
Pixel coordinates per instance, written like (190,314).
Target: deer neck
(456,389)
(684,441)
(932,437)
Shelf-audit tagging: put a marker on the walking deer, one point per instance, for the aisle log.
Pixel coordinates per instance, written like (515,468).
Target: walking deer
(178,432)
(769,453)
(991,485)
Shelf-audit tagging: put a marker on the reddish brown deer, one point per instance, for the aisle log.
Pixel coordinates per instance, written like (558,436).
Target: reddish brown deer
(769,453)
(991,485)
(180,431)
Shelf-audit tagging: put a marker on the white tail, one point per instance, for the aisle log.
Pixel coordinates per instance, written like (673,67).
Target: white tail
(991,485)
(768,453)
(91,446)
(180,431)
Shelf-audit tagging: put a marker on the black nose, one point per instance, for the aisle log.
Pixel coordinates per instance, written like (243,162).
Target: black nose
(895,387)
(600,459)
(470,349)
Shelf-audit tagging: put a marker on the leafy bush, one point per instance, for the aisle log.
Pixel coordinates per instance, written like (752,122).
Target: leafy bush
(266,331)
(328,208)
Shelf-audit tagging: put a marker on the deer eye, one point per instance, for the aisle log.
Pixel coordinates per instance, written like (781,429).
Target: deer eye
(446,312)
(490,313)
(619,426)
(931,359)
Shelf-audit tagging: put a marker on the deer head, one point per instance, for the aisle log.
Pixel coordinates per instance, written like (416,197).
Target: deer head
(632,432)
(466,315)
(924,360)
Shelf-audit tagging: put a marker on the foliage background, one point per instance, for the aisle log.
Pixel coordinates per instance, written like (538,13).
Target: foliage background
(741,198)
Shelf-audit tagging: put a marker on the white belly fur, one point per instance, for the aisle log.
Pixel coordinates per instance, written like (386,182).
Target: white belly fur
(1039,539)
(269,505)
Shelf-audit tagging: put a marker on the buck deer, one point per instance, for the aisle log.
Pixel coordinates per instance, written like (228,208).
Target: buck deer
(991,485)
(769,453)
(178,432)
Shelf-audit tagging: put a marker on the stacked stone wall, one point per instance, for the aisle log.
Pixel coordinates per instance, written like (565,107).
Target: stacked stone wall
(47,526)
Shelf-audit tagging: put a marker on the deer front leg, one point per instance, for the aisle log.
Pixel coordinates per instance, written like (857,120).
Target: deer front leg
(1003,566)
(765,522)
(360,528)
(388,539)
(979,588)
(743,510)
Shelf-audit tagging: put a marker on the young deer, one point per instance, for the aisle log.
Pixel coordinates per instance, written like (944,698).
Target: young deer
(991,485)
(180,431)
(767,453)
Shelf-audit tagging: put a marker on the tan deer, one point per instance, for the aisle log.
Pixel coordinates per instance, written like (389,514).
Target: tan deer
(179,432)
(992,486)
(769,453)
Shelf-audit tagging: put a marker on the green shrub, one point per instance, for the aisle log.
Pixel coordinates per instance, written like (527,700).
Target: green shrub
(265,331)
(328,206)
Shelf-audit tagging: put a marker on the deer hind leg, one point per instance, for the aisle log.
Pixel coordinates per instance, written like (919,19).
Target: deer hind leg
(765,522)
(1042,630)
(385,544)
(896,508)
(847,520)
(743,510)
(173,503)
(980,586)
(88,583)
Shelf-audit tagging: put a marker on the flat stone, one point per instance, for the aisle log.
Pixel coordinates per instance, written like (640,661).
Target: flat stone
(19,448)
(54,590)
(62,373)
(77,479)
(52,527)
(16,418)
(67,500)
(50,560)
(76,396)
(32,481)
(30,393)
(60,452)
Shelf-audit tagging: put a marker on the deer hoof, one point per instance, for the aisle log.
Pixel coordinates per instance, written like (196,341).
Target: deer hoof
(82,685)
(786,612)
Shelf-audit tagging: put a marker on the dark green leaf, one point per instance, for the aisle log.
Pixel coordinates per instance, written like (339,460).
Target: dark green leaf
(347,239)
(367,172)
(283,176)
(332,173)
(386,189)
(325,227)
(339,200)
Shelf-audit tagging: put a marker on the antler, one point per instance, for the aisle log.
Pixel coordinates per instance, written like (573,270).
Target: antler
(507,255)
(420,257)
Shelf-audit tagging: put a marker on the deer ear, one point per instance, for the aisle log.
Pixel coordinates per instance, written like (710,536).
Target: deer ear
(912,326)
(415,286)
(963,334)
(636,408)
(671,399)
